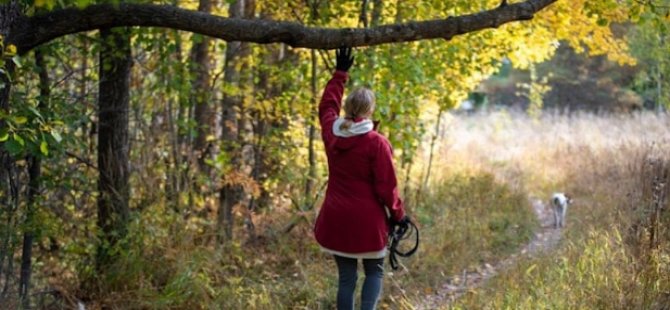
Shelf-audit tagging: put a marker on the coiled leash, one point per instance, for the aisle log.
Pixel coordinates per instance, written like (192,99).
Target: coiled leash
(398,233)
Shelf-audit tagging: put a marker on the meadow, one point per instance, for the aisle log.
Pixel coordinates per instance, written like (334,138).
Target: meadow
(473,210)
(613,254)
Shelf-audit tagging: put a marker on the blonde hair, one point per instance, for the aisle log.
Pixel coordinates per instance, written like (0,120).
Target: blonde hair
(359,102)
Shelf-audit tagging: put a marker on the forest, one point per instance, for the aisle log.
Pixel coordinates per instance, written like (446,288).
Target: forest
(167,154)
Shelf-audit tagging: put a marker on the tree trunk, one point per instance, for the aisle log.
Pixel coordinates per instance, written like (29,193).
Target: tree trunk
(260,124)
(204,118)
(311,153)
(433,140)
(34,167)
(184,113)
(9,12)
(178,135)
(113,99)
(377,6)
(236,52)
(34,184)
(311,136)
(8,192)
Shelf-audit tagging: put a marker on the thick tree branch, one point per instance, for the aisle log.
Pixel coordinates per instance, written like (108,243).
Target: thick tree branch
(30,32)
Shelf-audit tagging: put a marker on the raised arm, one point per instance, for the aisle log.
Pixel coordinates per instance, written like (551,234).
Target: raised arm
(331,102)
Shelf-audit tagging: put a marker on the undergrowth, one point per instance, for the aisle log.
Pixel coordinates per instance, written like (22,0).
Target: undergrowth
(290,272)
(614,253)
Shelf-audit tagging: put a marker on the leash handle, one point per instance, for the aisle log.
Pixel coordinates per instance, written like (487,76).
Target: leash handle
(398,234)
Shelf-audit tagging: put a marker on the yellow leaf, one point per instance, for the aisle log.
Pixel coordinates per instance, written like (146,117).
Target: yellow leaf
(20,120)
(11,50)
(44,148)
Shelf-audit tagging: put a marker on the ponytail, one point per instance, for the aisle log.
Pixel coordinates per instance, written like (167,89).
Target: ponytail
(346,124)
(359,103)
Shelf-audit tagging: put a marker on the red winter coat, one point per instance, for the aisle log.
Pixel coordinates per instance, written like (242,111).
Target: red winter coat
(361,183)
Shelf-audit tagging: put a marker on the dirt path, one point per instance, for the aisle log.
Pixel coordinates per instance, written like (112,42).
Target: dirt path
(455,286)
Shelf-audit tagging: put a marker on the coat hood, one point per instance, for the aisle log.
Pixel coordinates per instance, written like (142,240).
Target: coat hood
(347,138)
(357,128)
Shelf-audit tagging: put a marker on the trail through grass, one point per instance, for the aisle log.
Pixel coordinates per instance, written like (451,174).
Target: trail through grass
(545,239)
(614,252)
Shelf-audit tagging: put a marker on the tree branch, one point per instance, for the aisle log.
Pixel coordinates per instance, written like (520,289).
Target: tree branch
(29,32)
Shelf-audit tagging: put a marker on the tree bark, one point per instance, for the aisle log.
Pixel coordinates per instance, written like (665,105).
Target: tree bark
(9,13)
(113,99)
(231,194)
(34,185)
(311,136)
(269,122)
(204,118)
(363,18)
(29,32)
(311,152)
(177,118)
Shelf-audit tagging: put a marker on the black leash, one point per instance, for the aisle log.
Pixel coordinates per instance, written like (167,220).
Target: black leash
(398,233)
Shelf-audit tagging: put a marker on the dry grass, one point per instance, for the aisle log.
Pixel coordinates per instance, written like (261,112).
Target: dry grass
(615,251)
(542,151)
(474,210)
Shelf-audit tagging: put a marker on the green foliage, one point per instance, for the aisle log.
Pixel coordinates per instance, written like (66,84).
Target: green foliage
(29,128)
(649,44)
(536,90)
(27,131)
(171,259)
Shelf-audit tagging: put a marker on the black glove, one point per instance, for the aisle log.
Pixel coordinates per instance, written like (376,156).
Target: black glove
(344,59)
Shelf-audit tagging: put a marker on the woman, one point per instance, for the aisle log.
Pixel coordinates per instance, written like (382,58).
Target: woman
(362,187)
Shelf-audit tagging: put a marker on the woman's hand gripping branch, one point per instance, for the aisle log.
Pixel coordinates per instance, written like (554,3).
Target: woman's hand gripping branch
(344,59)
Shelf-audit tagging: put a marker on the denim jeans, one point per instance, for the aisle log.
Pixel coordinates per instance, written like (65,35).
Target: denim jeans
(372,286)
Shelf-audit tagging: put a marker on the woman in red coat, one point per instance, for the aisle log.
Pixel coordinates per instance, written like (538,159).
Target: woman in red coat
(362,187)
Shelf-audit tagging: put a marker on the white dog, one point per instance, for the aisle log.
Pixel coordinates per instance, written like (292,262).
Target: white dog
(559,203)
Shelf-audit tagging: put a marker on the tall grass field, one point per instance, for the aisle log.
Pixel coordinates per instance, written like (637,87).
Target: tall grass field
(470,196)
(613,254)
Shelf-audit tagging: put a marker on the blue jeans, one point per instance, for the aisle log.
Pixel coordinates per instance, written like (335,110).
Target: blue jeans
(372,286)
